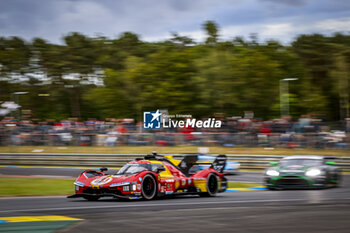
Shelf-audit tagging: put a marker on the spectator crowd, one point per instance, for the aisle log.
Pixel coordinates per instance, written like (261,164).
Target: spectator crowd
(235,131)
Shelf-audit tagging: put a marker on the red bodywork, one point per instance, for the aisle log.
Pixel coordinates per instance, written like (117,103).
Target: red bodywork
(171,180)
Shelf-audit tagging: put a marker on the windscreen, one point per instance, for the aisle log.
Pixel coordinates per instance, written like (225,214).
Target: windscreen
(301,162)
(133,168)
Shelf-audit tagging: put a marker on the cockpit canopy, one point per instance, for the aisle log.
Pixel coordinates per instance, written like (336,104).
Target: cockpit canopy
(134,168)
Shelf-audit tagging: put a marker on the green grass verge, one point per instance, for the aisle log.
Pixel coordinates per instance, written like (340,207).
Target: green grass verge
(169,150)
(241,185)
(35,187)
(45,187)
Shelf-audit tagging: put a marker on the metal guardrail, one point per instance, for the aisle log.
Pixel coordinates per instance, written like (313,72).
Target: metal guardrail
(118,160)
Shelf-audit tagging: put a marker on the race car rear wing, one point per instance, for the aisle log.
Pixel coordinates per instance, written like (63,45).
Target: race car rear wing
(186,162)
(219,163)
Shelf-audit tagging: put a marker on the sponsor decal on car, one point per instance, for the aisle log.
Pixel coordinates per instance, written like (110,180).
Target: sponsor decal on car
(101,181)
(177,184)
(199,178)
(119,184)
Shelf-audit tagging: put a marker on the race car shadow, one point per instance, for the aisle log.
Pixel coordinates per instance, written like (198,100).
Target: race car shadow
(169,197)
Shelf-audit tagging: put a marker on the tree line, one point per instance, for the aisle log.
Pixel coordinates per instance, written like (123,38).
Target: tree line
(99,77)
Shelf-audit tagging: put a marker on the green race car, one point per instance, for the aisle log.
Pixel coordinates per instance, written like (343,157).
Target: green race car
(302,171)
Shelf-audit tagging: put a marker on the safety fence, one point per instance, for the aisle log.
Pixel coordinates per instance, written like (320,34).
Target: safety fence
(118,160)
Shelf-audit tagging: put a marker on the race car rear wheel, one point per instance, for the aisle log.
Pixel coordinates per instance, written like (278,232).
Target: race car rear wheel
(149,187)
(212,186)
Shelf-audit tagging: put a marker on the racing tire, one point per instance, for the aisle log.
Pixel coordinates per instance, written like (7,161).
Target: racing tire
(149,187)
(91,198)
(212,186)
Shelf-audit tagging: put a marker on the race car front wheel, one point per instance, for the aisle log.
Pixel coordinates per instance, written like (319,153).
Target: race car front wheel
(212,186)
(149,187)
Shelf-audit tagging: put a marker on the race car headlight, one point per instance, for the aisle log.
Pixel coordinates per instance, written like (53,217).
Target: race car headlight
(78,183)
(313,172)
(133,186)
(272,172)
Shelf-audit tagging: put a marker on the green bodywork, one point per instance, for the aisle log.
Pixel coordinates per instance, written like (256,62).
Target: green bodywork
(273,180)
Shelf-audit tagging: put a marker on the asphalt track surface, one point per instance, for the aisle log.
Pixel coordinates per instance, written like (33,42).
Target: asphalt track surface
(325,210)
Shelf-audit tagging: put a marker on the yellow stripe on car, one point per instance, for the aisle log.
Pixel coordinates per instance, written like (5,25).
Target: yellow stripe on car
(176,162)
(163,174)
(201,184)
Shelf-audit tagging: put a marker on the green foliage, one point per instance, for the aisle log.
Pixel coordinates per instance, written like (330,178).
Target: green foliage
(115,99)
(212,30)
(177,74)
(14,55)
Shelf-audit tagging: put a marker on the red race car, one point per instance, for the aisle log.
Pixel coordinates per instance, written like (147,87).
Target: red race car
(154,176)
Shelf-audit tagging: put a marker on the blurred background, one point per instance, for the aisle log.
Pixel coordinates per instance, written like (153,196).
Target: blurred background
(90,87)
(77,75)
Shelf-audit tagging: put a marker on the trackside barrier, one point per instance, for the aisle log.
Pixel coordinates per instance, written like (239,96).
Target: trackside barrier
(118,160)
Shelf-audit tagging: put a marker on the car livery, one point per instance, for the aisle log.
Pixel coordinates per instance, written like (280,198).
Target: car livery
(302,171)
(150,177)
(205,161)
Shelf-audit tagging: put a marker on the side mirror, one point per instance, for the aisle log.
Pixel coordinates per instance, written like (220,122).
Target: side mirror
(103,169)
(330,163)
(160,169)
(274,163)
